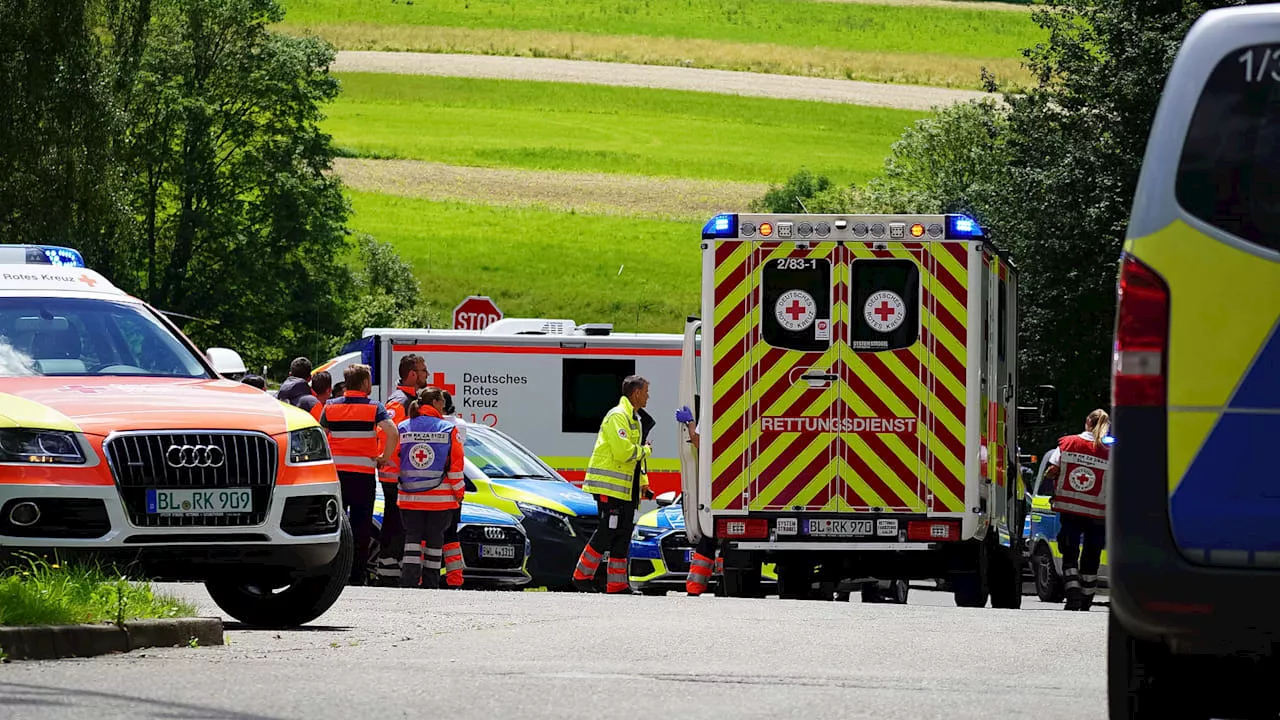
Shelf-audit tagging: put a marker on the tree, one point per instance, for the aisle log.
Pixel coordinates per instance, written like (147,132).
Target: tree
(390,295)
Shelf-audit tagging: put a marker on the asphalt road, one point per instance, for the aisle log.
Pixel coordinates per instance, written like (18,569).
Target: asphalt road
(383,653)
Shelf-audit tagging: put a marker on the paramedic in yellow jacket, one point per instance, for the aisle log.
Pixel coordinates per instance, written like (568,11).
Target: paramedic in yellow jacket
(616,477)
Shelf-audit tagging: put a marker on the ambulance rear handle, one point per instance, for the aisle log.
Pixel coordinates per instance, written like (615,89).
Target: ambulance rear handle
(829,377)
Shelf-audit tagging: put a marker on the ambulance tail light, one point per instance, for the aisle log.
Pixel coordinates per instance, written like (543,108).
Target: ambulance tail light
(742,528)
(933,531)
(1141,338)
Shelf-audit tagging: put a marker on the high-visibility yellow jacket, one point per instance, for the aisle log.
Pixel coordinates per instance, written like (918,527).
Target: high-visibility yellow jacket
(618,448)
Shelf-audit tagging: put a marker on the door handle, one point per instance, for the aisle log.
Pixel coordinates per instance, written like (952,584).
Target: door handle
(829,377)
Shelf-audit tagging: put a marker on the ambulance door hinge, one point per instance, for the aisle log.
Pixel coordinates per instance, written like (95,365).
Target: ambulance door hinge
(704,246)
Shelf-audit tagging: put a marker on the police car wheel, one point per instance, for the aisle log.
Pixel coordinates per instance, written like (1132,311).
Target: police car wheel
(288,605)
(1048,583)
(1144,680)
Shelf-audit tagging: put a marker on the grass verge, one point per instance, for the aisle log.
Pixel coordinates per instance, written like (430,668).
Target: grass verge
(922,68)
(37,592)
(639,274)
(594,128)
(953,31)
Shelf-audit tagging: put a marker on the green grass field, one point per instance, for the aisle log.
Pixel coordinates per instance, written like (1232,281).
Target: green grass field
(540,263)
(960,32)
(559,126)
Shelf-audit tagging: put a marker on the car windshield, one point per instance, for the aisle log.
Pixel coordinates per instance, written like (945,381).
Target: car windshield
(499,458)
(80,337)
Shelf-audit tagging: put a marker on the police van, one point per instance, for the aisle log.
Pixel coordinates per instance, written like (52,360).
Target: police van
(855,380)
(546,382)
(1193,500)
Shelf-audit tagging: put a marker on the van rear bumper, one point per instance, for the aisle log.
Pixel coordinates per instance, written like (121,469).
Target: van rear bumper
(1156,592)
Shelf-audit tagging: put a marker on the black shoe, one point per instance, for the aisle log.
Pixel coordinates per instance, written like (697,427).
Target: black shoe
(587,586)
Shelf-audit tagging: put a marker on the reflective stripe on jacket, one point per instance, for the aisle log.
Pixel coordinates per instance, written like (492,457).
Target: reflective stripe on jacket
(1080,488)
(352,422)
(398,405)
(611,470)
(431,463)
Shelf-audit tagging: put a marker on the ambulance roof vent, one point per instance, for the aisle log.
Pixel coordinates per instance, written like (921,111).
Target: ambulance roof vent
(596,328)
(530,326)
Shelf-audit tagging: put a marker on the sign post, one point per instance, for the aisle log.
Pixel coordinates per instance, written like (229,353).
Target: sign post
(475,313)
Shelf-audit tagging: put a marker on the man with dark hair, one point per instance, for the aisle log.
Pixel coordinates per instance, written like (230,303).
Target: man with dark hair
(413,377)
(321,391)
(352,422)
(295,386)
(616,476)
(255,380)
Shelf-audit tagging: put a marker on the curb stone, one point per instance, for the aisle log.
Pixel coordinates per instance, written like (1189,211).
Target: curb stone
(65,641)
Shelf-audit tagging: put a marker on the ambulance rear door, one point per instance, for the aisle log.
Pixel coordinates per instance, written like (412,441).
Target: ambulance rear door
(793,409)
(885,373)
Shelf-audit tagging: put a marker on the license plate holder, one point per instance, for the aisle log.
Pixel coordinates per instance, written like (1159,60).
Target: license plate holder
(839,527)
(507,552)
(199,501)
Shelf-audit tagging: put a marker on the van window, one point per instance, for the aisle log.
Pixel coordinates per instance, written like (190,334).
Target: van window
(1229,172)
(1002,336)
(885,307)
(590,388)
(795,310)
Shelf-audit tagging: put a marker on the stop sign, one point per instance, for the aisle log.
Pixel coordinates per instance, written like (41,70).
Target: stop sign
(475,313)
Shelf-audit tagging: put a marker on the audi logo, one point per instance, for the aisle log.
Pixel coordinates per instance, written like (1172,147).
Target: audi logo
(194,456)
(494,533)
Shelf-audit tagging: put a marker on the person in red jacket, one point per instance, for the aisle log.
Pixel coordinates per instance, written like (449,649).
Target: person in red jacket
(1079,467)
(413,378)
(431,486)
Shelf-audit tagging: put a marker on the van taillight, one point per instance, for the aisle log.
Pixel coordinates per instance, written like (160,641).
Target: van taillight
(1142,336)
(933,530)
(749,528)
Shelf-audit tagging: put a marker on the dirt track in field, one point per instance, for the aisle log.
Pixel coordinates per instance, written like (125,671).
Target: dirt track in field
(581,192)
(907,97)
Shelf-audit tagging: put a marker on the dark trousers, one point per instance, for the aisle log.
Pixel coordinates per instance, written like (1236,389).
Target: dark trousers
(419,564)
(357,498)
(1080,565)
(706,546)
(391,538)
(613,534)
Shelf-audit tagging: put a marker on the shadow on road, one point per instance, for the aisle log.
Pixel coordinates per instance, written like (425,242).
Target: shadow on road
(231,625)
(21,695)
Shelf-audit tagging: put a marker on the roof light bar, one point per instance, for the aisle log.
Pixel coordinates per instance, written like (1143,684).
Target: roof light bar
(721,226)
(963,227)
(40,255)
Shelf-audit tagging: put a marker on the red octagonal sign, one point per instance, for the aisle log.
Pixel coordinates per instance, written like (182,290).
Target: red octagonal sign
(475,313)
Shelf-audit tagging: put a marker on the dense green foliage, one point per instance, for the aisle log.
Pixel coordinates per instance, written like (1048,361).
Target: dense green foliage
(177,144)
(1052,175)
(35,591)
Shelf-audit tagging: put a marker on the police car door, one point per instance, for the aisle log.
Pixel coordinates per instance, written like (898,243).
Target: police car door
(793,399)
(884,373)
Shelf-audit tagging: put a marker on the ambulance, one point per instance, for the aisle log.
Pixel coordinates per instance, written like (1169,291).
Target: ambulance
(546,382)
(854,378)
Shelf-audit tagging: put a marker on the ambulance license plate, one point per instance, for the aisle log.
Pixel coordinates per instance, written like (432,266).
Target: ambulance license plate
(840,528)
(199,502)
(498,551)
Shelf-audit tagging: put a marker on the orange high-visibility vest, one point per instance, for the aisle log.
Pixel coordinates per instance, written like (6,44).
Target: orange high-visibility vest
(398,406)
(351,422)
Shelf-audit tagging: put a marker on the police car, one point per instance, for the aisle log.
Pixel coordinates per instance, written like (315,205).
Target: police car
(495,546)
(119,438)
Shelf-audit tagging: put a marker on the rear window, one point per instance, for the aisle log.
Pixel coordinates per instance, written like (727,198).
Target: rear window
(796,303)
(1229,172)
(885,305)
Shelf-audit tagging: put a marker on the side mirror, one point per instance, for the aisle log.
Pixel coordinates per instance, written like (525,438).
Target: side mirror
(666,498)
(226,361)
(1042,408)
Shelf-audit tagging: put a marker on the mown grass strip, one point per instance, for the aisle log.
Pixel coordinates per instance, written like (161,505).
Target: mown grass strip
(37,592)
(639,274)
(591,128)
(958,32)
(922,68)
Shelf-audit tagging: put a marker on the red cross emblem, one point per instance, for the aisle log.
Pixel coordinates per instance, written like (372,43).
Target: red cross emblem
(437,379)
(421,456)
(87,280)
(796,310)
(884,311)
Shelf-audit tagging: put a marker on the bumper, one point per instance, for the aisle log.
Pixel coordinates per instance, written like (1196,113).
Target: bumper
(553,554)
(1155,591)
(91,520)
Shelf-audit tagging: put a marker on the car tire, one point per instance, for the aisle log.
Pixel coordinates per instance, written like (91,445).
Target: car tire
(653,592)
(897,593)
(1049,586)
(1144,680)
(293,604)
(871,593)
(969,585)
(1004,577)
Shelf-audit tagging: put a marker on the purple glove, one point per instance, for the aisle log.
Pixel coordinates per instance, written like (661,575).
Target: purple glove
(684,415)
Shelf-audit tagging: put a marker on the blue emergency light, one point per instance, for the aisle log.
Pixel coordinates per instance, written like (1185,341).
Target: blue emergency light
(721,226)
(41,255)
(962,227)
(1108,439)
